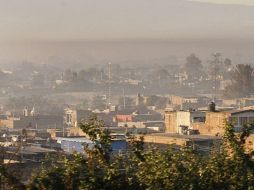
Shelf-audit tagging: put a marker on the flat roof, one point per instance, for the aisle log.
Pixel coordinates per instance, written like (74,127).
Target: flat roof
(154,121)
(32,150)
(75,139)
(241,111)
(185,137)
(36,149)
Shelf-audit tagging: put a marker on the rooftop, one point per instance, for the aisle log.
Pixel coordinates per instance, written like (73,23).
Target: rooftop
(186,137)
(75,139)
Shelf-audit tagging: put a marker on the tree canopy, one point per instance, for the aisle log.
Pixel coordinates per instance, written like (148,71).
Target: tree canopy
(228,167)
(242,81)
(193,66)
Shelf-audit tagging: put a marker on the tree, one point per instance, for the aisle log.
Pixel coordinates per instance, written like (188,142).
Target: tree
(227,63)
(193,66)
(68,75)
(8,178)
(162,74)
(242,81)
(99,169)
(226,167)
(89,74)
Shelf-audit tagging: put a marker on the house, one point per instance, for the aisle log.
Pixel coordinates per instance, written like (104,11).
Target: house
(31,120)
(211,122)
(72,117)
(198,142)
(238,103)
(180,122)
(141,114)
(77,144)
(216,121)
(123,118)
(188,102)
(243,102)
(240,117)
(138,118)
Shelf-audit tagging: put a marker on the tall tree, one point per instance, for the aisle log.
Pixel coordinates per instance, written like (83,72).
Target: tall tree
(227,63)
(242,81)
(193,66)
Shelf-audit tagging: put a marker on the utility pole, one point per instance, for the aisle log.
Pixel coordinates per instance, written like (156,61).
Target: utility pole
(109,84)
(124,103)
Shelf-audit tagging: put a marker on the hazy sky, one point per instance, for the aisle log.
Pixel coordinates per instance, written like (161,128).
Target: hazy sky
(182,26)
(22,20)
(242,2)
(121,19)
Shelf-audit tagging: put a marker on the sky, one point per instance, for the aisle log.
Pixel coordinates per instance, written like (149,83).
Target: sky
(241,2)
(70,20)
(89,30)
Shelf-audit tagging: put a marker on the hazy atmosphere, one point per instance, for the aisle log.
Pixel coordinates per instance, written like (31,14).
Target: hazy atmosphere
(37,30)
(127,94)
(114,19)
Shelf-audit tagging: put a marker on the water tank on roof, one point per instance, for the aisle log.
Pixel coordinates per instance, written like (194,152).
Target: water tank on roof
(211,107)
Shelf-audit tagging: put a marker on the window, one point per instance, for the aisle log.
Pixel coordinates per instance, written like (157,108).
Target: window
(68,118)
(198,119)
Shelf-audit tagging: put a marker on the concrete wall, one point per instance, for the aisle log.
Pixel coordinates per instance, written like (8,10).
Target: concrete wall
(229,102)
(174,119)
(182,118)
(9,123)
(76,131)
(215,123)
(164,140)
(176,100)
(170,122)
(76,116)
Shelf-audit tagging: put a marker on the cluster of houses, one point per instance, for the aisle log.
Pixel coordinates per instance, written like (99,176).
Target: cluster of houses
(191,121)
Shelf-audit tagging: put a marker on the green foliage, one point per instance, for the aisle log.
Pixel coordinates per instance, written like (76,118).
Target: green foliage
(229,167)
(8,180)
(97,133)
(64,174)
(232,167)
